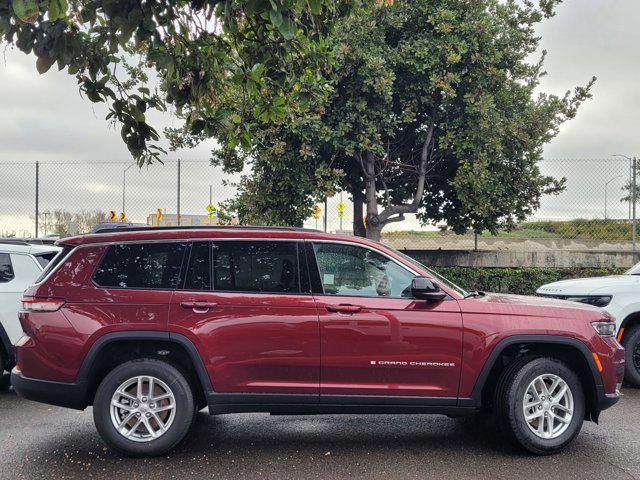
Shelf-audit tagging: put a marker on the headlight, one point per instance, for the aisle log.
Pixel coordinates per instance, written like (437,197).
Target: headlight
(605,329)
(595,300)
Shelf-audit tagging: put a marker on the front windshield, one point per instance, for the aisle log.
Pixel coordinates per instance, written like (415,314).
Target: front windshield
(635,270)
(436,275)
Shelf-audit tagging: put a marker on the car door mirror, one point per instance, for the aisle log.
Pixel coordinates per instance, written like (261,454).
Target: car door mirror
(423,288)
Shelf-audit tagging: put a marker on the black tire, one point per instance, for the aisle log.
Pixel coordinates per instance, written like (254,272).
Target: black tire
(631,343)
(184,407)
(510,394)
(3,360)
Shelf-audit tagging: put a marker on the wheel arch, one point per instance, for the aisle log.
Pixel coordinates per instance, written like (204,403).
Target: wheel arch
(6,349)
(569,350)
(115,348)
(631,321)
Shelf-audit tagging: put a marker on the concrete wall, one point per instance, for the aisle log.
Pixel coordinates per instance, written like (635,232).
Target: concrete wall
(509,258)
(466,242)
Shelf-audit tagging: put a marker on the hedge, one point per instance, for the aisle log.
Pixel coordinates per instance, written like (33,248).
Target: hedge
(521,281)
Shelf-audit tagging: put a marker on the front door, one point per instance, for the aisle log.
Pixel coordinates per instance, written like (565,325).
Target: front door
(252,319)
(376,339)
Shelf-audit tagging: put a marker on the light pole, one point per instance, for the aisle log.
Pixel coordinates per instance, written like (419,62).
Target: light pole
(46,214)
(632,198)
(606,186)
(124,184)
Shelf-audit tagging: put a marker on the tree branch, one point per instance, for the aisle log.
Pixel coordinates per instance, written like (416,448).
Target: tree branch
(387,214)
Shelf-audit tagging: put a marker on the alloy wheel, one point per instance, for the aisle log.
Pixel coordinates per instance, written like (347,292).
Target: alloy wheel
(548,406)
(143,408)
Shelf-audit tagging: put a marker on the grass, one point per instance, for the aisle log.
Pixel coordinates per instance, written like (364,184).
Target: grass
(579,229)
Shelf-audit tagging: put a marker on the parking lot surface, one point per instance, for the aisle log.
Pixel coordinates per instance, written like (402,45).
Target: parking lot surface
(40,441)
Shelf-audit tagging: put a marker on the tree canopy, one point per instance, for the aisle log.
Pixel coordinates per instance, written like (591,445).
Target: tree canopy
(267,53)
(431,109)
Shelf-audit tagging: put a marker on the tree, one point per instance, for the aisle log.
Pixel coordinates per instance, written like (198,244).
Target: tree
(431,110)
(268,51)
(59,221)
(630,193)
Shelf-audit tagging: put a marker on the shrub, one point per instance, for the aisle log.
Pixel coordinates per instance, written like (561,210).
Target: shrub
(521,281)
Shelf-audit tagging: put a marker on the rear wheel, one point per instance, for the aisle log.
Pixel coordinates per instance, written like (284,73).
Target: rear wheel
(3,360)
(144,408)
(631,343)
(540,404)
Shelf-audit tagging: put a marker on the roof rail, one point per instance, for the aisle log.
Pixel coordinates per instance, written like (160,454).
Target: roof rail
(202,227)
(13,241)
(28,241)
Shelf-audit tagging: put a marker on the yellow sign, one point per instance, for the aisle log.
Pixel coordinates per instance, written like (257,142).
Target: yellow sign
(340,214)
(211,209)
(159,215)
(341,207)
(316,210)
(123,217)
(112,215)
(364,221)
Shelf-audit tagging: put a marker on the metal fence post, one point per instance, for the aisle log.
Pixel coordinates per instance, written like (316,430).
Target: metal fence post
(325,213)
(37,195)
(634,200)
(178,217)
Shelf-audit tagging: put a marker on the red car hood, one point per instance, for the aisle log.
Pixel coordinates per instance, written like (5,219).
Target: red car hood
(530,306)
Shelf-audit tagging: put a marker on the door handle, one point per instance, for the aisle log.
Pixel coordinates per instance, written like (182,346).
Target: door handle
(198,307)
(344,308)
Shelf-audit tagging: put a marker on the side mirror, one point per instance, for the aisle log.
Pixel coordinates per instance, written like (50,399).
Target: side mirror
(423,288)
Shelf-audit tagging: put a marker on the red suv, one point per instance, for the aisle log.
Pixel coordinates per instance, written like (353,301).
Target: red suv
(152,325)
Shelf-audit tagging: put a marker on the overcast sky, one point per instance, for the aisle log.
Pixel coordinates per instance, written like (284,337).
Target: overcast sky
(42,117)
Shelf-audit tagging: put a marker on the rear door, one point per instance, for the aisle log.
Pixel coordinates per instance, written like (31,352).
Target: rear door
(247,306)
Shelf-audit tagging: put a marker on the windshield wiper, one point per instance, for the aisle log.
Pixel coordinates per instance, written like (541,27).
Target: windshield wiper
(475,294)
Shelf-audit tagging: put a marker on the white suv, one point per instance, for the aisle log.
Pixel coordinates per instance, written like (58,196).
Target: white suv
(20,264)
(619,295)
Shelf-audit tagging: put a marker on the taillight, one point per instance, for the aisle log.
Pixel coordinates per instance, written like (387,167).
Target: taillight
(42,304)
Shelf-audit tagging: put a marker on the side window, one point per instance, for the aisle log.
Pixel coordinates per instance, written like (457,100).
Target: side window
(141,265)
(44,258)
(6,269)
(198,276)
(267,267)
(350,270)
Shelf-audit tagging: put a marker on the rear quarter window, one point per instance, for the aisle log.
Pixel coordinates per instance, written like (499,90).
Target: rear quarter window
(141,266)
(6,268)
(44,258)
(56,260)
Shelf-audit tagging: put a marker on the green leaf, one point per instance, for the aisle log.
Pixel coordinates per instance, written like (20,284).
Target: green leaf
(26,10)
(287,28)
(316,6)
(57,9)
(43,64)
(235,118)
(276,18)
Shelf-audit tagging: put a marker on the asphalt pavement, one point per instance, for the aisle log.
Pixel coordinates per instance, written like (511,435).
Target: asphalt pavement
(40,441)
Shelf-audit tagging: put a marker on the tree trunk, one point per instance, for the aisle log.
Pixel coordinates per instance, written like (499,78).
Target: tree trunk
(371,198)
(392,213)
(358,212)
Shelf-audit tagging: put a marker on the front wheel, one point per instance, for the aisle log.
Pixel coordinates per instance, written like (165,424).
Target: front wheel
(143,408)
(631,344)
(540,404)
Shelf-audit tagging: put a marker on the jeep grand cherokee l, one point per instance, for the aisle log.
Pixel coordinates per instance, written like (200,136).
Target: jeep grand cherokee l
(151,325)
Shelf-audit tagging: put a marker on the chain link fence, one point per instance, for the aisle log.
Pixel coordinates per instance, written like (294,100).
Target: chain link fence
(593,213)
